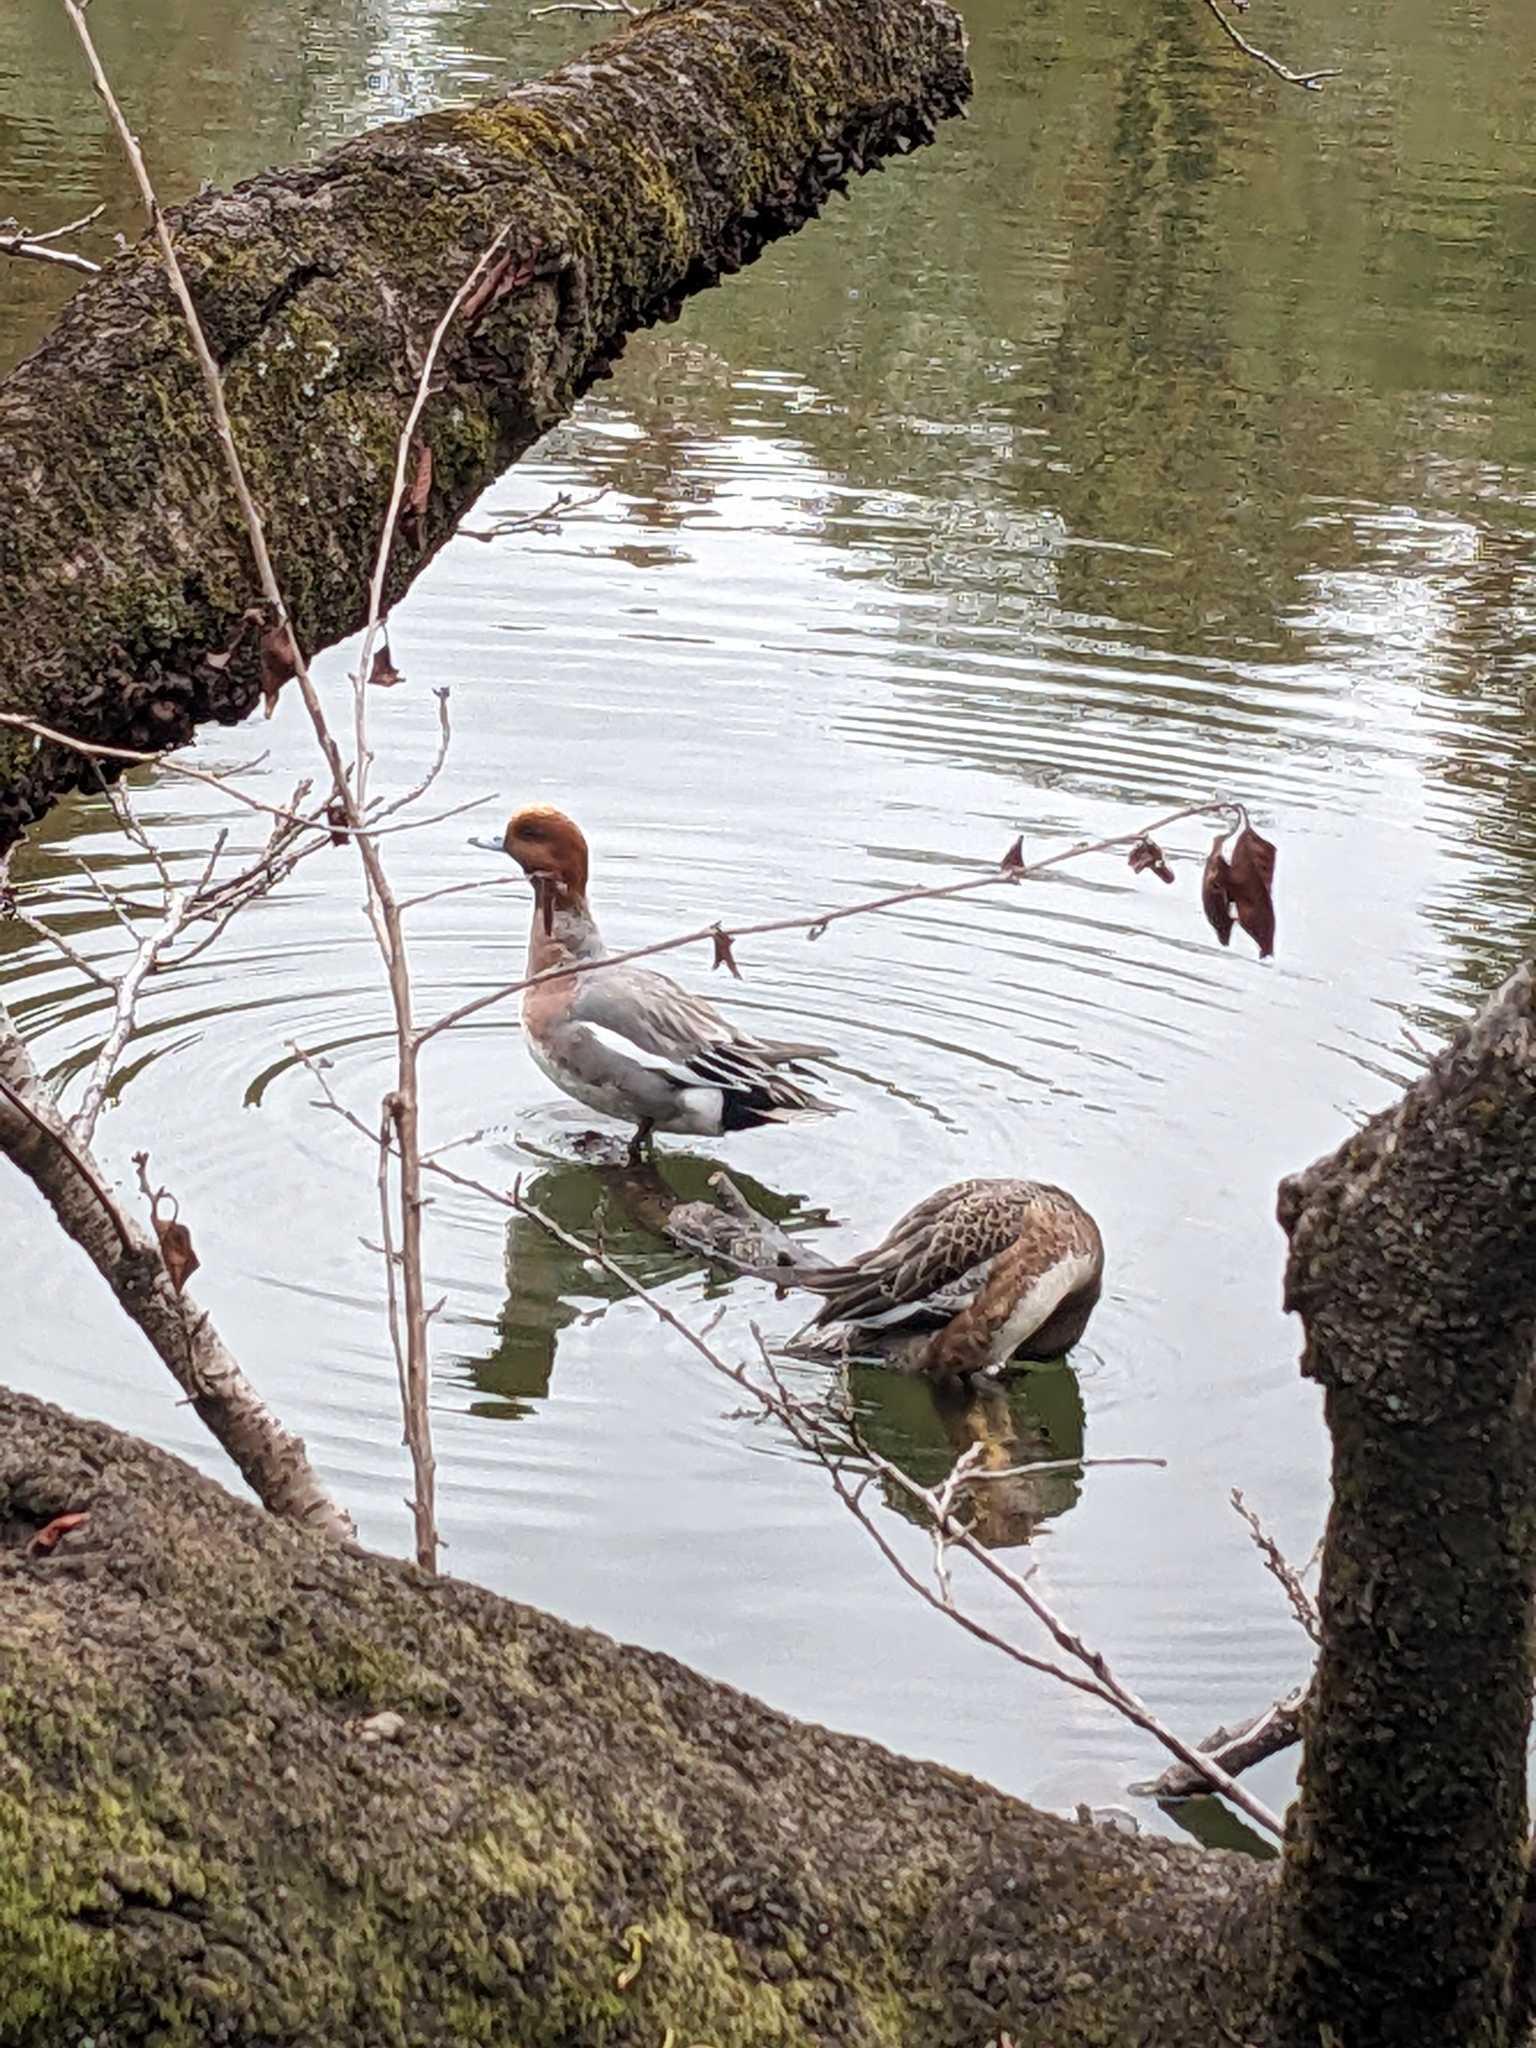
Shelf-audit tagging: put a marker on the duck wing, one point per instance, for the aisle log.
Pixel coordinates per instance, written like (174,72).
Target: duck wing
(934,1260)
(644,1016)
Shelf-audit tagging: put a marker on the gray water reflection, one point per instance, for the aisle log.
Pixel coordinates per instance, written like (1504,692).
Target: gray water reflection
(1158,432)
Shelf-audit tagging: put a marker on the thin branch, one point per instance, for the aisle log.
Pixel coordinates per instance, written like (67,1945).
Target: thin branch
(585,7)
(384,915)
(39,248)
(148,953)
(505,523)
(816,922)
(1309,81)
(1280,1568)
(396,497)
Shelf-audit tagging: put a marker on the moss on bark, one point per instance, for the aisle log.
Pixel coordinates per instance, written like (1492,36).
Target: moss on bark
(197,1844)
(650,169)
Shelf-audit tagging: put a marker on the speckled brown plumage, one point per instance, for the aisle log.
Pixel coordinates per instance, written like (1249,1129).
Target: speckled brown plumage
(964,1272)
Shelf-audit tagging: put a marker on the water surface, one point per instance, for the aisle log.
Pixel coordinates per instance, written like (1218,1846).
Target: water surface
(1161,432)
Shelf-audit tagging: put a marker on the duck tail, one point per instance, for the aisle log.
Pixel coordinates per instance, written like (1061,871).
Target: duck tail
(772,1101)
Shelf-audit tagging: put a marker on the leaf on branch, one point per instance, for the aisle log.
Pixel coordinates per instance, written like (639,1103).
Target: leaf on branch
(383,672)
(1012,862)
(505,275)
(46,1539)
(336,818)
(1216,891)
(1250,874)
(724,953)
(181,1261)
(1146,853)
(413,510)
(279,662)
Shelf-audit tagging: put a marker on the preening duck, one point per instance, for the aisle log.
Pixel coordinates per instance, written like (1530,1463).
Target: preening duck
(628,1042)
(979,1272)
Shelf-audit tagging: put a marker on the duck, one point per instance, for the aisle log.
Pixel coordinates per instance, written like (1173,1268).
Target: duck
(628,1042)
(976,1274)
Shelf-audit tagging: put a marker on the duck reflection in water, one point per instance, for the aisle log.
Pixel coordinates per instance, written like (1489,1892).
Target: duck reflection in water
(629,1207)
(925,1426)
(922,1421)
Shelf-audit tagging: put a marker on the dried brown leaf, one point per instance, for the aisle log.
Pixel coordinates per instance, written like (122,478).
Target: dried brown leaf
(1250,876)
(48,1536)
(414,506)
(383,671)
(336,818)
(1216,891)
(279,662)
(1146,853)
(1013,860)
(724,954)
(181,1262)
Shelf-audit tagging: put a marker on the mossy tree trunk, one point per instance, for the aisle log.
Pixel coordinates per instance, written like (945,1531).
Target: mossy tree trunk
(202,1840)
(1413,1264)
(664,159)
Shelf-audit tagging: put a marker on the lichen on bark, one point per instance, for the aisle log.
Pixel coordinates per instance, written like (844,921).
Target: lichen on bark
(657,164)
(197,1842)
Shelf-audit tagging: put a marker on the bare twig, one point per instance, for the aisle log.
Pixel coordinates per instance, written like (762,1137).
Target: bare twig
(505,523)
(149,951)
(585,7)
(815,923)
(1279,1567)
(384,914)
(392,511)
(16,241)
(1309,81)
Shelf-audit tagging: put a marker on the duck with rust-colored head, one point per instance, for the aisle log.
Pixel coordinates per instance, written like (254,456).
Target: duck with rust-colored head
(979,1272)
(628,1042)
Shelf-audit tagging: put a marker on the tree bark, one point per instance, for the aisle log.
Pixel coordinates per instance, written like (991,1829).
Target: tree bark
(661,161)
(1413,1265)
(202,1838)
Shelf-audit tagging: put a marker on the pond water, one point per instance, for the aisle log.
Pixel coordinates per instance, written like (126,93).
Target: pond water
(1162,431)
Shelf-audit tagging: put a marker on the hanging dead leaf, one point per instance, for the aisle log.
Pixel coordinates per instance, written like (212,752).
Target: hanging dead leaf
(46,1539)
(1013,860)
(1216,891)
(1250,875)
(181,1262)
(1145,854)
(504,276)
(413,509)
(279,662)
(383,672)
(724,954)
